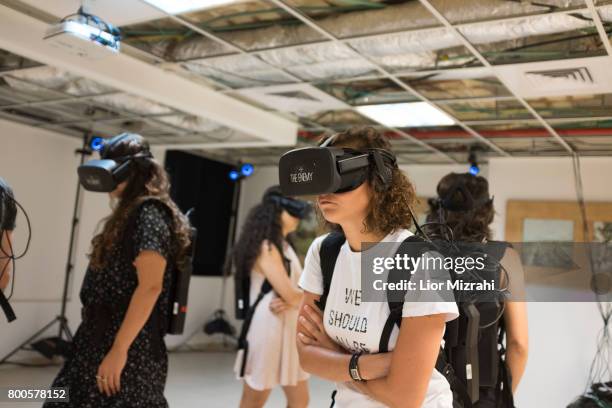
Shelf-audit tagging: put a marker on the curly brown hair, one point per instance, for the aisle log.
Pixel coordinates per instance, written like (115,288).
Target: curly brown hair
(471,225)
(390,208)
(147,180)
(262,223)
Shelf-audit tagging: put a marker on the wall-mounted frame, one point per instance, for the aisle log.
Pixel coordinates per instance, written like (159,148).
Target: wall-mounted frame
(546,234)
(520,213)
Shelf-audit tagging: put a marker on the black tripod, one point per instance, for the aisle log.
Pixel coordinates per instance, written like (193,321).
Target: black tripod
(52,346)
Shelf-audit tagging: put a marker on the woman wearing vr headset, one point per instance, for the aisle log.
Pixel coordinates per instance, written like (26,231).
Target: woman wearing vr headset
(464,206)
(374,208)
(118,355)
(264,257)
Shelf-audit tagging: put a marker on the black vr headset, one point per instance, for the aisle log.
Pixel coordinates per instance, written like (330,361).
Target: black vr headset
(8,209)
(105,174)
(297,208)
(323,169)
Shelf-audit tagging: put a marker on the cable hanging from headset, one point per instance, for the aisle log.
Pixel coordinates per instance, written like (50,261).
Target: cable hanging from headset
(445,233)
(11,255)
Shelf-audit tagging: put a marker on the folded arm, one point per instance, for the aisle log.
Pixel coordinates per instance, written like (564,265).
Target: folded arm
(321,356)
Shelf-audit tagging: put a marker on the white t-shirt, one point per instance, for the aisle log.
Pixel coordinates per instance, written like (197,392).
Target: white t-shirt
(359,325)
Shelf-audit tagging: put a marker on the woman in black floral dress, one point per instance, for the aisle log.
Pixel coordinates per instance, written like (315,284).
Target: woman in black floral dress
(119,358)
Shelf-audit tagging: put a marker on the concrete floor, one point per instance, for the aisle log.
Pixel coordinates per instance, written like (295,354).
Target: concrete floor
(196,379)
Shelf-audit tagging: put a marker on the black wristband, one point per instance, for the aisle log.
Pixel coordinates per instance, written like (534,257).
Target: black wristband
(354,367)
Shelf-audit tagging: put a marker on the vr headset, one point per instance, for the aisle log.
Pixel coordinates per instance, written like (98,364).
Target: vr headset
(105,175)
(297,208)
(324,169)
(8,209)
(8,215)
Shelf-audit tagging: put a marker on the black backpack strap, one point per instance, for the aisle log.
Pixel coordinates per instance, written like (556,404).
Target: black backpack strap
(395,300)
(503,388)
(461,398)
(7,308)
(243,343)
(328,254)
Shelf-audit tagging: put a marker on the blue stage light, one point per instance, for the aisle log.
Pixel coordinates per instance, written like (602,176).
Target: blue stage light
(474,169)
(233,175)
(96,143)
(247,169)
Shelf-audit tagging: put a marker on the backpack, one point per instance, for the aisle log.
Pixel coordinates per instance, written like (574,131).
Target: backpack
(178,291)
(461,348)
(245,311)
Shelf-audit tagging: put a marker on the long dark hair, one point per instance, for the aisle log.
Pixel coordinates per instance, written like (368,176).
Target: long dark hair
(262,223)
(471,225)
(389,208)
(147,180)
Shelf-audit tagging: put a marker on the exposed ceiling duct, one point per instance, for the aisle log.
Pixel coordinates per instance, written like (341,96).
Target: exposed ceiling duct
(63,81)
(426,46)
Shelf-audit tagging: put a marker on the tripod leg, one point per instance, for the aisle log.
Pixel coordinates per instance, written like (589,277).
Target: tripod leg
(28,341)
(64,328)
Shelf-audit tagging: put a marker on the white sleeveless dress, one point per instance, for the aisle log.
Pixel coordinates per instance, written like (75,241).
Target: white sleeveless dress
(272,358)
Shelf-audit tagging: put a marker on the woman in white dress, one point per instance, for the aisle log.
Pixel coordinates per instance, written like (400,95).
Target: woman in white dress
(264,256)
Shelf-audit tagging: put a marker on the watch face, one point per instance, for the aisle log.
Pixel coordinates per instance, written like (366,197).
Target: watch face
(354,373)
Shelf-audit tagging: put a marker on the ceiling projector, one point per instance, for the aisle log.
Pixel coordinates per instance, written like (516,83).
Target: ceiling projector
(84,35)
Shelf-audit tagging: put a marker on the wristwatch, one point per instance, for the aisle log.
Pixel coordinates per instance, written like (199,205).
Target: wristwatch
(354,367)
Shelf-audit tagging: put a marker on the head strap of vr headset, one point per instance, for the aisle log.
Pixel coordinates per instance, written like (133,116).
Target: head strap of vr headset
(383,159)
(469,203)
(278,198)
(145,153)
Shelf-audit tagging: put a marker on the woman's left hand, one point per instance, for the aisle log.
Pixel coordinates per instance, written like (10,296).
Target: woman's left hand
(278,306)
(312,332)
(109,372)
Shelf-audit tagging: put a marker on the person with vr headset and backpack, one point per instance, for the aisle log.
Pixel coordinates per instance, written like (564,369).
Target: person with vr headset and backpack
(378,357)
(118,357)
(266,270)
(464,207)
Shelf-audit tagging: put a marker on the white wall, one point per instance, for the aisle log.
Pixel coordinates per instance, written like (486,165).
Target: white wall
(41,167)
(561,335)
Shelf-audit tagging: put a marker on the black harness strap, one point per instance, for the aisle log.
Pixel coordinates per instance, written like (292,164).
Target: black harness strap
(461,397)
(503,389)
(243,343)
(395,299)
(328,254)
(7,308)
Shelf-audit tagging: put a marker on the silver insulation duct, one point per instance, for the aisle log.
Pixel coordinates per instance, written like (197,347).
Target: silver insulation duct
(63,81)
(326,60)
(416,49)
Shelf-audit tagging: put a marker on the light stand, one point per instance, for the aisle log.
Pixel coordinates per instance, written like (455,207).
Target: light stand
(49,347)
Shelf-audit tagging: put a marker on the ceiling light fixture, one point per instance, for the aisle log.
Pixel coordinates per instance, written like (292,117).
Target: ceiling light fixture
(412,114)
(184,6)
